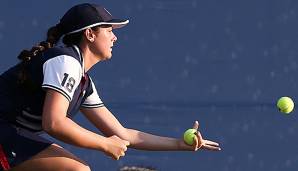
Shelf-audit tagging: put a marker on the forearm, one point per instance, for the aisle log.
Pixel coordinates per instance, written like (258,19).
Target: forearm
(69,132)
(145,141)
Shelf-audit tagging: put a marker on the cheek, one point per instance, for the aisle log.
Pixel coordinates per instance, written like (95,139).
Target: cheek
(103,49)
(100,46)
(103,43)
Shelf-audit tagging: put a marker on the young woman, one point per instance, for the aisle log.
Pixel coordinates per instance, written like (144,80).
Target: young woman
(50,84)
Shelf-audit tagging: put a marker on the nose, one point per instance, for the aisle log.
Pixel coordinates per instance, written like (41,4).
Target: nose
(114,38)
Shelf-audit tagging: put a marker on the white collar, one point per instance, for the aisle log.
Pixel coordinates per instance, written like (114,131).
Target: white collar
(81,58)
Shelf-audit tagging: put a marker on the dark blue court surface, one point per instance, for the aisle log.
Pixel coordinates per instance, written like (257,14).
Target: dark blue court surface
(224,63)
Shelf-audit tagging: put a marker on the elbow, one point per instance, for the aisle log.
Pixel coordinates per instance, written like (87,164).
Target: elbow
(50,127)
(47,127)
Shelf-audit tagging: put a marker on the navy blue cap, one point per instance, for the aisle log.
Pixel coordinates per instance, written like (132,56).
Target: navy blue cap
(83,16)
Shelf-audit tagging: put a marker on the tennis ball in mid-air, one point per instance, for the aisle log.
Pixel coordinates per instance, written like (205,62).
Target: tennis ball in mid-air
(189,136)
(285,105)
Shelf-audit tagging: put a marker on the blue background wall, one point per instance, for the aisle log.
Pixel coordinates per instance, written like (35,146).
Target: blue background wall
(224,63)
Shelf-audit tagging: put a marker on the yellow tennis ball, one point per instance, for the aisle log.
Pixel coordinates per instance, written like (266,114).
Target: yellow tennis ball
(189,136)
(285,105)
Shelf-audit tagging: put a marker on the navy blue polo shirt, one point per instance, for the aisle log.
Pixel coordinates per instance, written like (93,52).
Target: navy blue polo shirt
(60,69)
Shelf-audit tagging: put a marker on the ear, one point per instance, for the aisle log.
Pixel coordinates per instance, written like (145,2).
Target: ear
(90,36)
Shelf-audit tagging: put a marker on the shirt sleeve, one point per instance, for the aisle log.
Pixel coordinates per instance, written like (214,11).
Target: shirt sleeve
(63,74)
(93,100)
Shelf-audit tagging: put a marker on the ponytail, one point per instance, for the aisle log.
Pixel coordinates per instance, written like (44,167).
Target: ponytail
(53,36)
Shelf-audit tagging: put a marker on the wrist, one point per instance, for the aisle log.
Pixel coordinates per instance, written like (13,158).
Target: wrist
(180,145)
(102,144)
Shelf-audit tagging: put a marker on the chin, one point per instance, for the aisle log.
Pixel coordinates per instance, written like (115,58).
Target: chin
(107,57)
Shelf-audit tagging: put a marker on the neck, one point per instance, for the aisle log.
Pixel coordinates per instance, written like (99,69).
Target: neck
(89,58)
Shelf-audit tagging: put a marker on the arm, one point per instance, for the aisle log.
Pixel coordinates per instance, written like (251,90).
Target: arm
(56,124)
(105,121)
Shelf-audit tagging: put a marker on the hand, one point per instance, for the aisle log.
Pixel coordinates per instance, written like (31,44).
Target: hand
(199,142)
(116,147)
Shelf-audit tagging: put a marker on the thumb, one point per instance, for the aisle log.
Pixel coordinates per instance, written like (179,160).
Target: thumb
(126,143)
(196,125)
(196,143)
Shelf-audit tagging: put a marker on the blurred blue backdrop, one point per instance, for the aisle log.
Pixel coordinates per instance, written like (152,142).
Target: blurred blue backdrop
(224,63)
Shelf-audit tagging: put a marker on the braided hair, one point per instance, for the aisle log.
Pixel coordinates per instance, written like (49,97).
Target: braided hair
(53,36)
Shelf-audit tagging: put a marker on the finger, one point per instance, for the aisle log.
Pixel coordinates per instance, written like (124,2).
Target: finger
(196,125)
(209,147)
(122,154)
(116,157)
(200,138)
(195,144)
(199,135)
(211,143)
(124,148)
(126,143)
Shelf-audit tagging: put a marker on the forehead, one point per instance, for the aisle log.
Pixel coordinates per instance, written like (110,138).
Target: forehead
(103,30)
(104,27)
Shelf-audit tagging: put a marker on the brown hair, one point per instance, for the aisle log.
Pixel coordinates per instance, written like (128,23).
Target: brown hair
(53,36)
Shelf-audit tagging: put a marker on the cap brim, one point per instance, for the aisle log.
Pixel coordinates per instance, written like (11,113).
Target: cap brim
(117,23)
